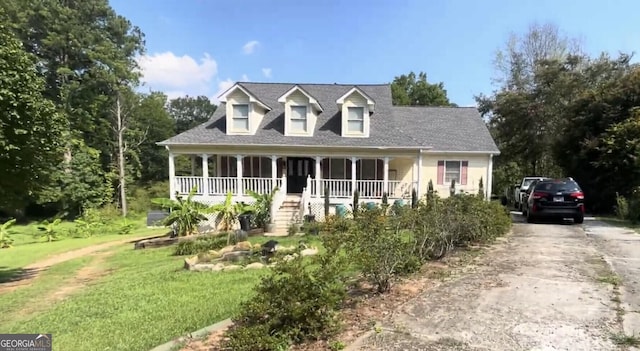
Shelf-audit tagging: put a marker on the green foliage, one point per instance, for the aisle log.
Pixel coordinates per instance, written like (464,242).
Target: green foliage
(48,229)
(188,112)
(295,303)
(31,133)
(5,234)
(262,206)
(622,207)
(140,196)
(416,91)
(452,188)
(326,201)
(481,189)
(185,214)
(374,243)
(199,245)
(385,202)
(311,228)
(228,213)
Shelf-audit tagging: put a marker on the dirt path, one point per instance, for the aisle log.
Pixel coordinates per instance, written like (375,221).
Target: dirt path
(544,289)
(32,271)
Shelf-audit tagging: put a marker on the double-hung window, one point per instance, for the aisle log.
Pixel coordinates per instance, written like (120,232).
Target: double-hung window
(299,119)
(355,119)
(241,117)
(452,171)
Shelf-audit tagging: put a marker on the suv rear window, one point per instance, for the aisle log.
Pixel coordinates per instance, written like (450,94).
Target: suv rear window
(558,186)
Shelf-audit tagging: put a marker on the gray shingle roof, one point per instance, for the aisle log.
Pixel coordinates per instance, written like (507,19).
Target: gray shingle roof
(442,129)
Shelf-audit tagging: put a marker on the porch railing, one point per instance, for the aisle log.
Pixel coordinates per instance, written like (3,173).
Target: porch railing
(224,185)
(371,189)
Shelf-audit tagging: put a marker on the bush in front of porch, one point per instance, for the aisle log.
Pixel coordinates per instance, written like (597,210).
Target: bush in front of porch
(380,247)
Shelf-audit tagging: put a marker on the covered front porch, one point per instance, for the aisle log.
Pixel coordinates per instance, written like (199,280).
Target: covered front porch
(214,176)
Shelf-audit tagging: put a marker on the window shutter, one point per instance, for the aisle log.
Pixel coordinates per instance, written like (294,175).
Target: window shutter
(440,172)
(463,173)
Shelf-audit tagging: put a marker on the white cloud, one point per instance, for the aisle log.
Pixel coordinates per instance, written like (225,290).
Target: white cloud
(249,47)
(244,78)
(167,69)
(266,72)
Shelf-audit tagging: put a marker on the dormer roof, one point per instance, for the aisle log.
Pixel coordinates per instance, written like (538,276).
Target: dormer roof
(370,102)
(252,97)
(312,100)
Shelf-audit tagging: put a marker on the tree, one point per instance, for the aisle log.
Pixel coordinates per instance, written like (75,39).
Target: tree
(189,112)
(409,90)
(31,133)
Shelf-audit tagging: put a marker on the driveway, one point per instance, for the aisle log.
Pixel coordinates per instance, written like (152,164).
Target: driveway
(545,288)
(621,247)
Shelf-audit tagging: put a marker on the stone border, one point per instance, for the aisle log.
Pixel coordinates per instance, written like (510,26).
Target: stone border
(169,346)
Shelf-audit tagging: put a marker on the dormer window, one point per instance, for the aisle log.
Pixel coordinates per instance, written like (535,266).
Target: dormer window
(241,117)
(356,108)
(301,112)
(244,111)
(355,119)
(299,119)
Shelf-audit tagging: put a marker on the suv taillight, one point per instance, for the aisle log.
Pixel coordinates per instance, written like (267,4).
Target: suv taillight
(578,195)
(538,195)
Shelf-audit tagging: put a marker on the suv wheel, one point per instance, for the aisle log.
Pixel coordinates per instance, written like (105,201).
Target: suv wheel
(578,219)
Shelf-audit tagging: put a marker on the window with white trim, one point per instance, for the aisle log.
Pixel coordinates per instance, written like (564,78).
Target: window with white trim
(355,119)
(370,169)
(299,119)
(240,117)
(452,171)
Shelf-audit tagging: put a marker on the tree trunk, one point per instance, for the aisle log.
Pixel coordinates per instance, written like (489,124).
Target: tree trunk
(121,169)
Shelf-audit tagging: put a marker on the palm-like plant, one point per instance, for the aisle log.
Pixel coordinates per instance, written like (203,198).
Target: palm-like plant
(185,214)
(5,234)
(48,229)
(228,212)
(262,206)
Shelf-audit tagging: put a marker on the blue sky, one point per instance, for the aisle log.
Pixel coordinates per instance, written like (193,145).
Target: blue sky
(199,47)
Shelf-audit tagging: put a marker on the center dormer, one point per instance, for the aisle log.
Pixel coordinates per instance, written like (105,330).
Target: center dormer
(301,112)
(244,111)
(355,107)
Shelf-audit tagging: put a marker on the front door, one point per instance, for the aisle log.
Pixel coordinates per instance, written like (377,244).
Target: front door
(298,168)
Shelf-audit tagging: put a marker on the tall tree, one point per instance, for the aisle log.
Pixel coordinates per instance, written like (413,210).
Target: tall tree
(408,89)
(30,128)
(189,112)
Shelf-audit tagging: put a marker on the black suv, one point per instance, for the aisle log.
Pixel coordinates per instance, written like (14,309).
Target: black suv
(555,198)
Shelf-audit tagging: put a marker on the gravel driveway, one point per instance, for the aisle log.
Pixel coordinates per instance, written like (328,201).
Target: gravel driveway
(547,287)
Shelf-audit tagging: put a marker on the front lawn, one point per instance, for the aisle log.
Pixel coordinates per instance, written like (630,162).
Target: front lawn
(147,300)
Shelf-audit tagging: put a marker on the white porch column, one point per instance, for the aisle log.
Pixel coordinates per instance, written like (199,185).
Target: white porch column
(318,175)
(385,176)
(205,174)
(219,166)
(239,173)
(419,172)
(172,176)
(353,174)
(274,170)
(489,180)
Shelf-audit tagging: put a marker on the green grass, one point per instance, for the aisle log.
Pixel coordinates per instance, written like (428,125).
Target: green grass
(147,300)
(25,254)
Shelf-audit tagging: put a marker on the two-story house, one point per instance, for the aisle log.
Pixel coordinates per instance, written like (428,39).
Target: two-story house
(306,139)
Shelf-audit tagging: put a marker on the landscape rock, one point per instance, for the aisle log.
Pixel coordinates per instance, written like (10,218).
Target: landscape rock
(207,267)
(309,252)
(214,254)
(189,262)
(231,267)
(255,265)
(257,247)
(225,249)
(235,255)
(242,246)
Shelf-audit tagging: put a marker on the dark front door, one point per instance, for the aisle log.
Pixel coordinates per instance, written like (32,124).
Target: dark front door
(298,168)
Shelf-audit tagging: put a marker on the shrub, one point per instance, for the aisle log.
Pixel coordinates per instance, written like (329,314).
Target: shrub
(326,201)
(262,207)
(622,207)
(199,245)
(295,303)
(185,213)
(5,234)
(49,229)
(140,199)
(414,198)
(376,245)
(481,189)
(356,203)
